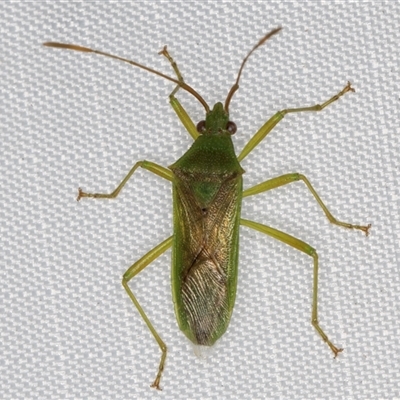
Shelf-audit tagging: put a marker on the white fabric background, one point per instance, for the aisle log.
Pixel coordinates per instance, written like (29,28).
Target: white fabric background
(67,328)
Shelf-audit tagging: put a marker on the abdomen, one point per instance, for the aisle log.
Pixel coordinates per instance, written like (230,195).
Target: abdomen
(205,252)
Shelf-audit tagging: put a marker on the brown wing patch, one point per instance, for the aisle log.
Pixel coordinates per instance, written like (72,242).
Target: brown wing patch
(207,233)
(204,295)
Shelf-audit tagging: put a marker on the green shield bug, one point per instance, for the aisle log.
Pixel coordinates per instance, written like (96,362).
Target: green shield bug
(207,196)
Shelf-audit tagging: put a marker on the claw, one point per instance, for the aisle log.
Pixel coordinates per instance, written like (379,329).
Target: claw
(366,229)
(79,194)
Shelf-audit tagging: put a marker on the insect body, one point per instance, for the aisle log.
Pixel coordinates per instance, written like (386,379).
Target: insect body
(207,197)
(207,189)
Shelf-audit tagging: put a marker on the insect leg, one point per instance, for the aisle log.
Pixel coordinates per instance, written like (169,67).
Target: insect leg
(307,249)
(128,275)
(164,52)
(176,105)
(184,117)
(289,178)
(150,166)
(270,124)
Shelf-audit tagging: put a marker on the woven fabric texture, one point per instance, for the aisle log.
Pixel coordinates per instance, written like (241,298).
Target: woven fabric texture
(67,328)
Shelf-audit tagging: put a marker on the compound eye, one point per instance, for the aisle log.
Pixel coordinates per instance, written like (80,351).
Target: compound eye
(231,127)
(201,127)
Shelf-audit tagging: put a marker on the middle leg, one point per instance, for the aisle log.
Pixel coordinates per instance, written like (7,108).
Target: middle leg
(294,177)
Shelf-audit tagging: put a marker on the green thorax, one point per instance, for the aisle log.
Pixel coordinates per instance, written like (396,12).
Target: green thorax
(213,151)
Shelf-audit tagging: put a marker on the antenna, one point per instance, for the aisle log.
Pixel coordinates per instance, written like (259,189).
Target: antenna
(183,85)
(236,84)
